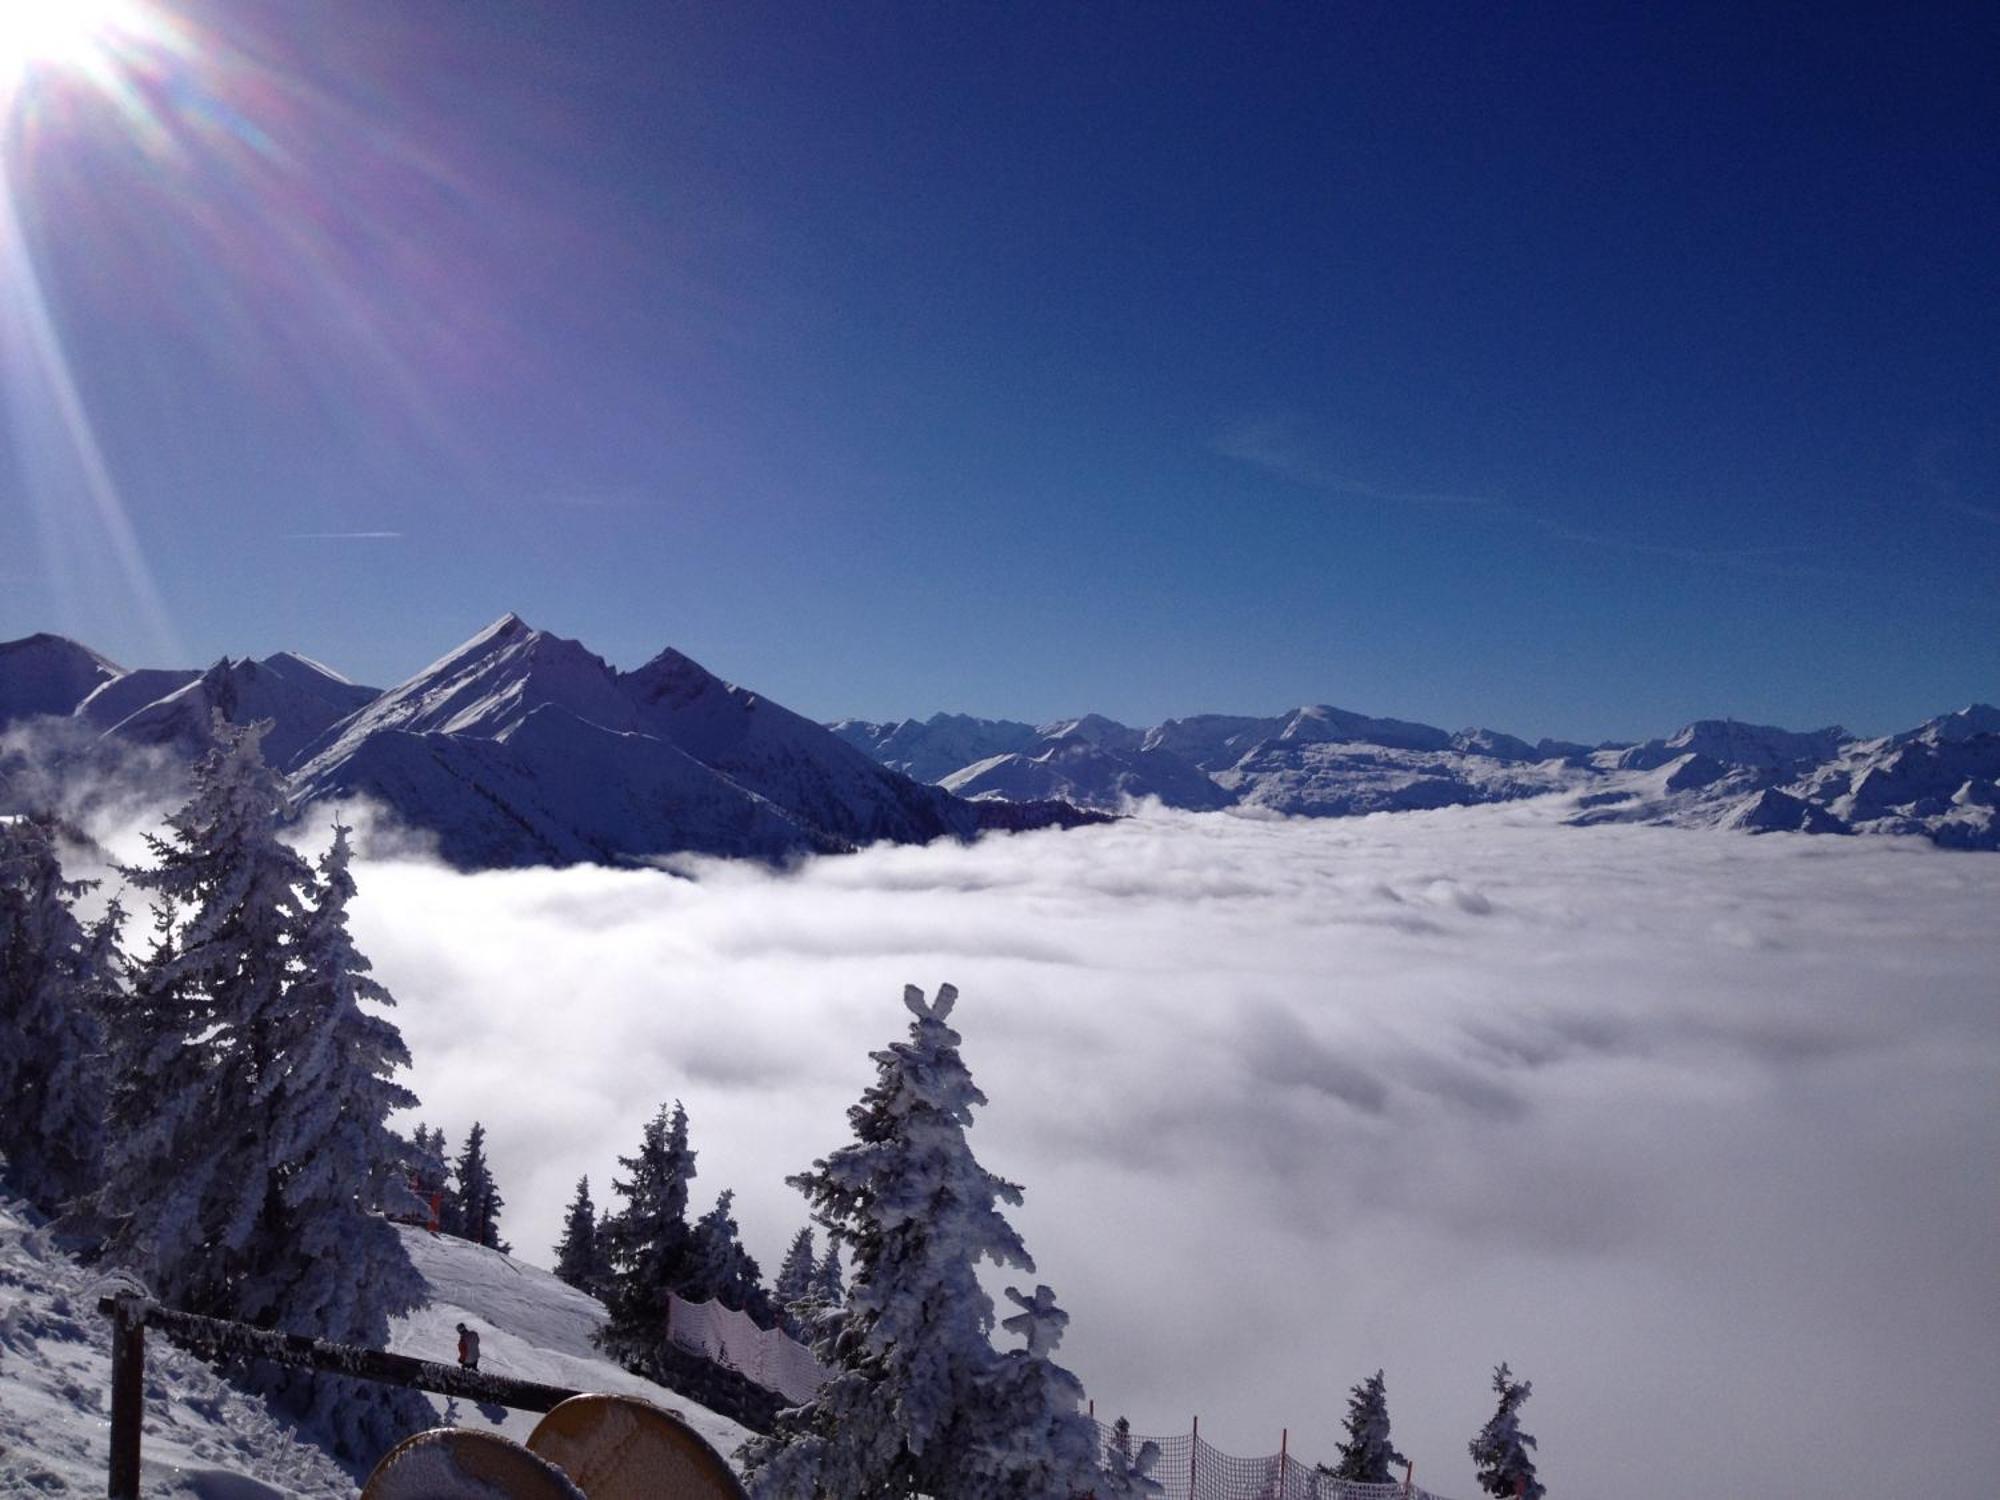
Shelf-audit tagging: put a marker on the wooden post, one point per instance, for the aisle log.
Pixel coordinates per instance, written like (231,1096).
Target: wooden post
(1409,1474)
(128,1396)
(1284,1454)
(1194,1453)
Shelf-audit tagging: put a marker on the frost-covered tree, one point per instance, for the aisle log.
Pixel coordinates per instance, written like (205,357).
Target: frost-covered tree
(1366,1456)
(911,1356)
(475,1200)
(249,1133)
(1500,1451)
(648,1239)
(720,1268)
(57,979)
(1128,1474)
(335,1268)
(830,1285)
(580,1257)
(795,1283)
(1027,1437)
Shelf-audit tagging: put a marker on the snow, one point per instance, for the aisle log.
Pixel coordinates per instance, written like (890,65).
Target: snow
(531,1326)
(203,1439)
(521,747)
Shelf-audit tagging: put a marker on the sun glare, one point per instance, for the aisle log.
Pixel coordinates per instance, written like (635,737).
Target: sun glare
(55,33)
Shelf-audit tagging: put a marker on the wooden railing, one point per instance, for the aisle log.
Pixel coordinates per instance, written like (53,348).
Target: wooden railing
(216,1338)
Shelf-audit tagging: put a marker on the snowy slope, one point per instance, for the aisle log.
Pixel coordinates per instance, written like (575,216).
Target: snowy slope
(122,697)
(301,700)
(48,674)
(202,1439)
(521,747)
(931,749)
(531,1326)
(1090,774)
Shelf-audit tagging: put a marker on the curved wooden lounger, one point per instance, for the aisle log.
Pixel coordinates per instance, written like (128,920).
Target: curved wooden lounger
(450,1463)
(622,1448)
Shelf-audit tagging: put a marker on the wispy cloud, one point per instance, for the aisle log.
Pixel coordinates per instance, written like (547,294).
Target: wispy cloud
(1277,449)
(1984,513)
(344,536)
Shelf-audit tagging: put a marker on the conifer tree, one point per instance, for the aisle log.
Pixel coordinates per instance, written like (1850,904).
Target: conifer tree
(57,979)
(795,1283)
(719,1267)
(476,1201)
(1500,1451)
(648,1239)
(1366,1456)
(250,1102)
(1027,1437)
(1128,1475)
(830,1285)
(580,1257)
(911,1356)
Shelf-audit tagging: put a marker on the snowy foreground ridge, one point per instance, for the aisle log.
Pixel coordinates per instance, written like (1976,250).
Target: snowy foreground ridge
(522,748)
(208,1441)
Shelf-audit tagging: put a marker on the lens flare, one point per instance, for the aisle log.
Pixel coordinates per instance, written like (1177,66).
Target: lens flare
(55,33)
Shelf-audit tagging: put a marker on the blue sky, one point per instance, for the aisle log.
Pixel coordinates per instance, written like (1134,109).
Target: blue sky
(1536,367)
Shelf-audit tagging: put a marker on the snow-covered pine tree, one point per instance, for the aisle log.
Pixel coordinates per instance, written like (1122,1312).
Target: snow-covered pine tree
(190,1166)
(580,1258)
(910,1351)
(57,980)
(795,1284)
(1500,1451)
(334,1268)
(1128,1475)
(249,1109)
(475,1200)
(1027,1437)
(1366,1456)
(647,1240)
(720,1269)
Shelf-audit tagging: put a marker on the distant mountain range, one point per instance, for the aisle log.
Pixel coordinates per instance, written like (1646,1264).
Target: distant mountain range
(517,748)
(1940,780)
(521,747)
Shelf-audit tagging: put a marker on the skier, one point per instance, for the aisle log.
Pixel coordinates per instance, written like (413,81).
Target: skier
(468,1348)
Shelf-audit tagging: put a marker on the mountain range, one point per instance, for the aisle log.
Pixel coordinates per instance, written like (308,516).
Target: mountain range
(1940,780)
(518,748)
(521,747)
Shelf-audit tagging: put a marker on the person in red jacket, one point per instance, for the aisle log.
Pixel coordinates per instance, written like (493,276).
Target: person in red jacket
(468,1348)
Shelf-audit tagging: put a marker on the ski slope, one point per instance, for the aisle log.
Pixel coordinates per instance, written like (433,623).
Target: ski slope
(531,1327)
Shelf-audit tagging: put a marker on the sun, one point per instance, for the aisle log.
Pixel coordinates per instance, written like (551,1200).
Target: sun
(57,34)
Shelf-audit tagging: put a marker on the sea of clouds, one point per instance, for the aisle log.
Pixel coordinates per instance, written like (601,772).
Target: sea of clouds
(1698,1130)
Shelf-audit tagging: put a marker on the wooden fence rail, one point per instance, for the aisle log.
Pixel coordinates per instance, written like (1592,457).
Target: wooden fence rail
(215,1338)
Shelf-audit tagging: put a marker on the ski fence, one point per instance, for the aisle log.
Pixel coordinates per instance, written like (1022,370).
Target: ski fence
(1190,1468)
(768,1356)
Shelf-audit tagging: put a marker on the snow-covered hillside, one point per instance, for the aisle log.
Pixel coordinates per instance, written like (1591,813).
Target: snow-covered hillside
(47,674)
(205,1440)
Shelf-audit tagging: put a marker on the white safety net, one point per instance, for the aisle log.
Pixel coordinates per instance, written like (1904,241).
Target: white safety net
(1191,1469)
(768,1356)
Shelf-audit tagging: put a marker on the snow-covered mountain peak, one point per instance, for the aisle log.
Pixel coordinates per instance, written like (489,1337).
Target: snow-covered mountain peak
(1946,729)
(49,674)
